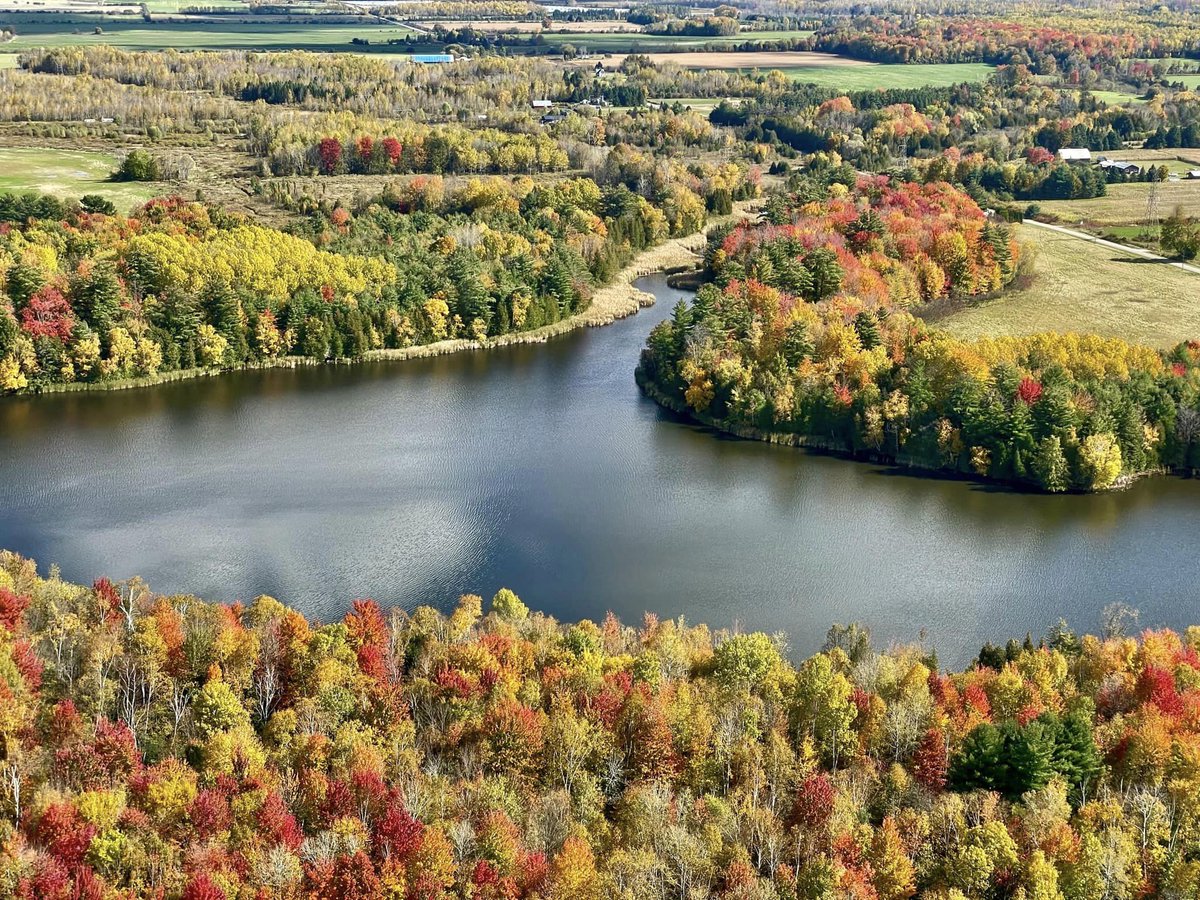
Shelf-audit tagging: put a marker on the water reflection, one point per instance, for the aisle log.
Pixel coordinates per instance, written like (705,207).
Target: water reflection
(541,467)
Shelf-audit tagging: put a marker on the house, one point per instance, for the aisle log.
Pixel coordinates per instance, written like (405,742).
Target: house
(541,104)
(1192,174)
(552,118)
(1075,154)
(1119,165)
(599,70)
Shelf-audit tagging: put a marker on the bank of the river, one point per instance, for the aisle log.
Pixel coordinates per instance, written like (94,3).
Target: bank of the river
(819,445)
(616,300)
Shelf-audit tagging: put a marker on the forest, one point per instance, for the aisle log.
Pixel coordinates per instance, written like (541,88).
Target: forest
(176,748)
(806,334)
(90,296)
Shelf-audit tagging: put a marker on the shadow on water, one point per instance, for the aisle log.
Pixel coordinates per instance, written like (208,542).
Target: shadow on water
(542,467)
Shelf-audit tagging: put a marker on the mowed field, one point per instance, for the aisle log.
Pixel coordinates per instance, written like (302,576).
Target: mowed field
(874,76)
(825,68)
(1080,286)
(70,174)
(1118,98)
(208,36)
(1126,204)
(582,29)
(641,42)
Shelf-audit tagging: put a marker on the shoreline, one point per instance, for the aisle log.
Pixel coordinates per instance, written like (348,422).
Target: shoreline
(616,300)
(816,444)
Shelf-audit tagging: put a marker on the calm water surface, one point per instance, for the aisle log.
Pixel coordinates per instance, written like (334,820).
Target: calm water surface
(542,468)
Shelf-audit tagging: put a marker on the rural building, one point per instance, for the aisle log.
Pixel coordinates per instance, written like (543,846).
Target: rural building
(433,58)
(1120,165)
(1075,154)
(1193,174)
(541,104)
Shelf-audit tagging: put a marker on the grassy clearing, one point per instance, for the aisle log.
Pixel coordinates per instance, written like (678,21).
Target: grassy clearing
(70,174)
(208,36)
(1079,286)
(1125,204)
(876,76)
(699,104)
(640,42)
(8,60)
(829,70)
(1118,98)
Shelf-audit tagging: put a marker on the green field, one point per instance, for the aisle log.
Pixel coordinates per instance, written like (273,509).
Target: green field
(638,42)
(1125,204)
(174,6)
(887,75)
(209,36)
(1118,98)
(700,104)
(8,60)
(70,174)
(1080,286)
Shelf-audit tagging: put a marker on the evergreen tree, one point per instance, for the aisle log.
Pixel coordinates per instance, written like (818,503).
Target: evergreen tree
(1050,465)
(867,326)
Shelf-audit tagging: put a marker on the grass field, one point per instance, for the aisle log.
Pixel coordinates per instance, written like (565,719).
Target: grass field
(700,104)
(1079,286)
(8,60)
(874,76)
(1125,204)
(70,174)
(208,36)
(1118,98)
(640,42)
(828,69)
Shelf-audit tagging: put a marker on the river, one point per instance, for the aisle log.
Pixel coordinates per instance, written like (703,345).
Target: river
(542,468)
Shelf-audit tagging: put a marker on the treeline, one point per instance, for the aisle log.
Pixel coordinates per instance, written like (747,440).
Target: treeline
(182,749)
(1072,45)
(408,148)
(804,334)
(500,87)
(86,296)
(1042,177)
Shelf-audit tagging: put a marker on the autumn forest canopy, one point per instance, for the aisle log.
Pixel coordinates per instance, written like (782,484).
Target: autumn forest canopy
(183,749)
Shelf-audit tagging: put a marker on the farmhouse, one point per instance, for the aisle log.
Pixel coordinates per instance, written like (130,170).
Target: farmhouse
(1192,174)
(1075,154)
(1118,165)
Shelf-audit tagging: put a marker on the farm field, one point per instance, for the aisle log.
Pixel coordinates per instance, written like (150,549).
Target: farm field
(700,104)
(1125,204)
(207,36)
(70,174)
(828,69)
(641,42)
(872,76)
(578,28)
(1082,287)
(8,60)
